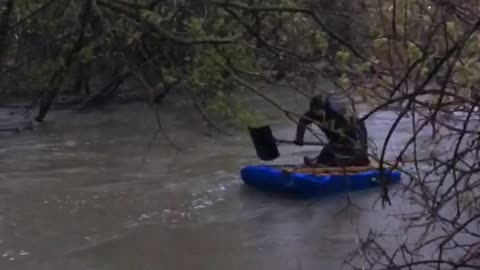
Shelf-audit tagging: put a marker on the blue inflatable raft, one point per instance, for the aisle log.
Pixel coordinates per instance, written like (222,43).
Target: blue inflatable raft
(305,184)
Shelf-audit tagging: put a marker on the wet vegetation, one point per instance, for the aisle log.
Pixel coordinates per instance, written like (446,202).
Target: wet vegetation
(420,57)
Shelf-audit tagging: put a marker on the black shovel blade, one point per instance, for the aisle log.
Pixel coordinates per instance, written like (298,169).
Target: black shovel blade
(264,142)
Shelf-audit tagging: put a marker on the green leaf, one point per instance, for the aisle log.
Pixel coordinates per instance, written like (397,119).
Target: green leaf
(342,57)
(414,53)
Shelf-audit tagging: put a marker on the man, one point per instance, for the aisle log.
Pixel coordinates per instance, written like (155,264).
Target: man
(347,135)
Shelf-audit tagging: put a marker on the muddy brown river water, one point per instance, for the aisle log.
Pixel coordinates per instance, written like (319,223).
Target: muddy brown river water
(79,193)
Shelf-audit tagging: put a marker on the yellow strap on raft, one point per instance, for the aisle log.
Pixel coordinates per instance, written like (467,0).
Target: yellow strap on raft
(319,171)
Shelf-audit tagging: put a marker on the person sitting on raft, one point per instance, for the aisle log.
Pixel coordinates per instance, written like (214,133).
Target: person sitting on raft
(347,135)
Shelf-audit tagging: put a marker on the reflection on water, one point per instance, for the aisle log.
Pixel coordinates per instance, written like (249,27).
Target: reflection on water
(78,193)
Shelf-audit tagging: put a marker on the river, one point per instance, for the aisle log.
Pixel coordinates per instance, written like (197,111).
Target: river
(82,192)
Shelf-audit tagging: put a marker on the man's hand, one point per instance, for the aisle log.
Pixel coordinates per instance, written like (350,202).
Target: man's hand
(298,141)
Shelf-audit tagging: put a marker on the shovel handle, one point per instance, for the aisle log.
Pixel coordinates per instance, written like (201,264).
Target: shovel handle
(305,143)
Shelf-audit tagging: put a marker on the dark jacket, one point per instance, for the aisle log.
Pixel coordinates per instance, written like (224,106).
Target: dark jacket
(339,128)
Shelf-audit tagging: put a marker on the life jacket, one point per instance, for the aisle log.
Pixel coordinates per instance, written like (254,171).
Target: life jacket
(341,127)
